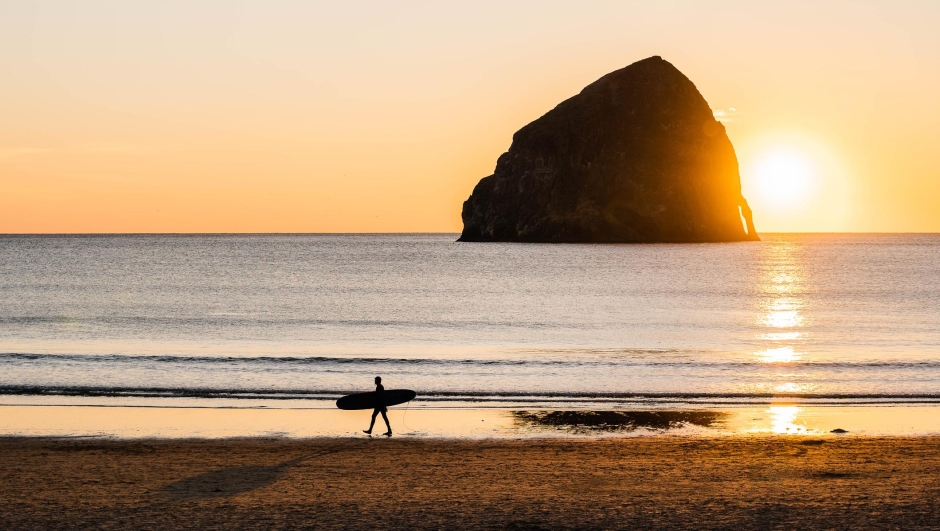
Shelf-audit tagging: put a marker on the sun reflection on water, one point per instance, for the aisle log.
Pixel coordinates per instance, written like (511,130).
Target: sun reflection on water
(782,281)
(784,312)
(781,288)
(783,319)
(790,388)
(782,336)
(778,355)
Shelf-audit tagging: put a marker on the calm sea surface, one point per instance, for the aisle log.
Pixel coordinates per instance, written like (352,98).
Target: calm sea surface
(826,317)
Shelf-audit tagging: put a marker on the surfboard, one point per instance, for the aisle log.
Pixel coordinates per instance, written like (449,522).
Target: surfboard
(393,397)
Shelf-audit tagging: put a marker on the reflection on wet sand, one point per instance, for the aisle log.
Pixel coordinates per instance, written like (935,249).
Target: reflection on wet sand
(582,422)
(485,423)
(783,419)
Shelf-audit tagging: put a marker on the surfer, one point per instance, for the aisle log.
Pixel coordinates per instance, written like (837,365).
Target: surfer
(379,407)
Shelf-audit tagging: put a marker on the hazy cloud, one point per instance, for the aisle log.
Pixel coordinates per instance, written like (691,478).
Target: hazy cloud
(726,115)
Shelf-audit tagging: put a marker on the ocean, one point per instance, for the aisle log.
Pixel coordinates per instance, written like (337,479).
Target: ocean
(236,319)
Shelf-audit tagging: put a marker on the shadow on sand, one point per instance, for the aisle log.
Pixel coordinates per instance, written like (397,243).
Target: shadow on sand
(234,480)
(227,481)
(582,422)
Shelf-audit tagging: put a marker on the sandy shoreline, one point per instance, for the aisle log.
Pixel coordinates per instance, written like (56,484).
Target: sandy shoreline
(756,482)
(123,422)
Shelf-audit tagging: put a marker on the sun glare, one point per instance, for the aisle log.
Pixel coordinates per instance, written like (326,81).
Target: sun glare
(795,181)
(778,355)
(784,177)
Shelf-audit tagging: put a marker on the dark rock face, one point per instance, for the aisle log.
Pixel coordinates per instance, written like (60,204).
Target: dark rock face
(637,156)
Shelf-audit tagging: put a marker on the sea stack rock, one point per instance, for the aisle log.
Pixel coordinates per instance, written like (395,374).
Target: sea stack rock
(637,156)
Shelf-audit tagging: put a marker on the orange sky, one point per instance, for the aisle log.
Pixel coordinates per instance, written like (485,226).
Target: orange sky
(278,116)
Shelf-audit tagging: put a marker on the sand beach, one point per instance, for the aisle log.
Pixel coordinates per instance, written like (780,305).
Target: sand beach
(659,482)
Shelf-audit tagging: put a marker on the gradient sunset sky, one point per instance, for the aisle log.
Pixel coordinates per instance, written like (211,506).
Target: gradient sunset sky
(290,116)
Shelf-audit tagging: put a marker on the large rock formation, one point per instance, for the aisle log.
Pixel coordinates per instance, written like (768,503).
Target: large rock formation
(637,156)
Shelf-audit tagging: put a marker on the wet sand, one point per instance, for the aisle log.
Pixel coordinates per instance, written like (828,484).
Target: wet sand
(141,422)
(658,482)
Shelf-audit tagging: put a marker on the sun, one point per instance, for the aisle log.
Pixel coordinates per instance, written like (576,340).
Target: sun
(796,181)
(784,176)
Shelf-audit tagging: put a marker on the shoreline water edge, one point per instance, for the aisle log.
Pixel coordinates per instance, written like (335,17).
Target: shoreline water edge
(318,420)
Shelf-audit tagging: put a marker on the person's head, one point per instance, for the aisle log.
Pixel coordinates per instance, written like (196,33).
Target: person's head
(378,380)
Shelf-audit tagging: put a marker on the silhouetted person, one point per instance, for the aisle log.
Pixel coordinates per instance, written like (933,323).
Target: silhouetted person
(379,407)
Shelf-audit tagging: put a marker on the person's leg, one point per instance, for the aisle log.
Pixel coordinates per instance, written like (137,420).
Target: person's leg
(375,413)
(387,424)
